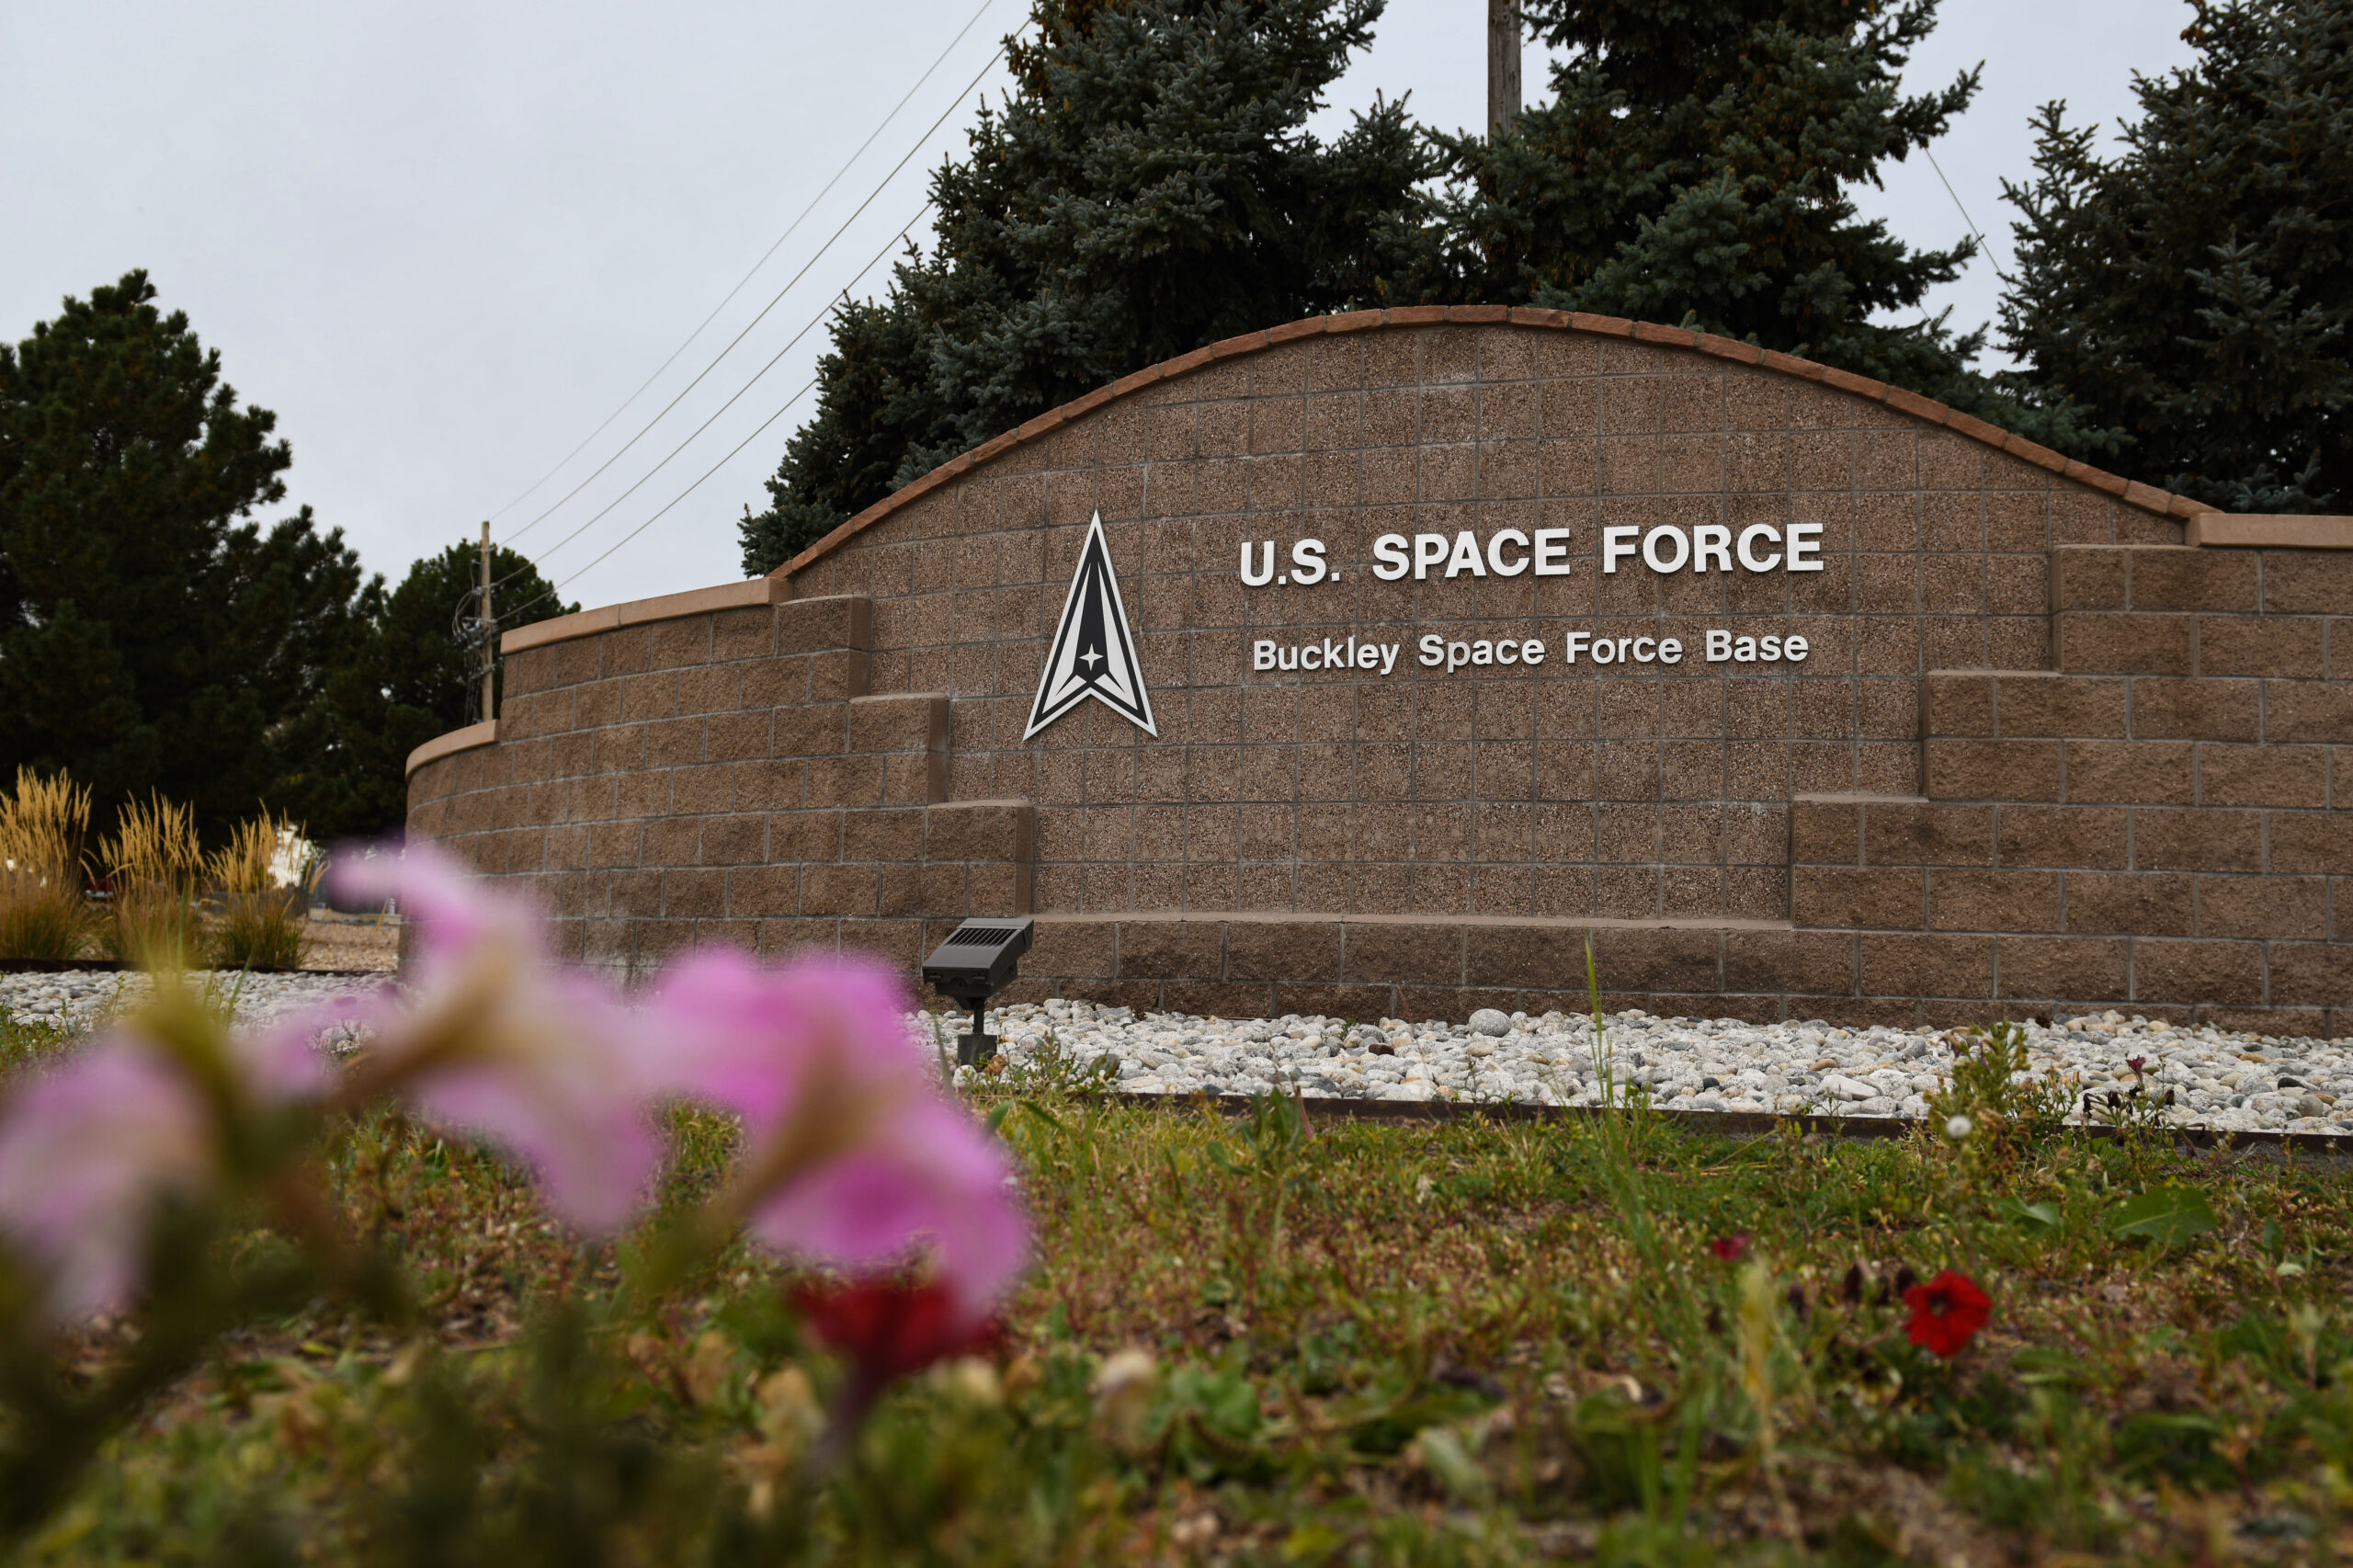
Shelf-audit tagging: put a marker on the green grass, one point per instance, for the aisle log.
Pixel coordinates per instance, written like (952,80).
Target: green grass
(1466,1343)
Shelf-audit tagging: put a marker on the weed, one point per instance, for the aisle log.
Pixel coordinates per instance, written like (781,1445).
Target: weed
(260,925)
(152,863)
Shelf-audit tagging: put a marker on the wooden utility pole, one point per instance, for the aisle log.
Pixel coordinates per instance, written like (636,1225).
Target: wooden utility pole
(1503,64)
(489,634)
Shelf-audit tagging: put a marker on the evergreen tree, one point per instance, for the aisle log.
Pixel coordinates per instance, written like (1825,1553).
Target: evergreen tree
(1147,188)
(416,675)
(1692,166)
(2195,287)
(148,640)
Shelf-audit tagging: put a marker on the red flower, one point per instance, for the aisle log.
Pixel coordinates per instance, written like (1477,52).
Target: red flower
(1947,1312)
(891,1328)
(2134,1062)
(1731,1248)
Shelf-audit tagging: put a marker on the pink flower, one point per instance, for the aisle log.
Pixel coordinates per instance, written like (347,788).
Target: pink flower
(855,1155)
(499,1042)
(89,1151)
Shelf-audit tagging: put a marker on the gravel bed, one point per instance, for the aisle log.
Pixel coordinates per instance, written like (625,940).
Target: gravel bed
(2222,1079)
(77,1001)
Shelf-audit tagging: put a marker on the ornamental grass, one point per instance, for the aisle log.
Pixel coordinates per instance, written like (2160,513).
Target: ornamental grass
(44,910)
(152,866)
(259,924)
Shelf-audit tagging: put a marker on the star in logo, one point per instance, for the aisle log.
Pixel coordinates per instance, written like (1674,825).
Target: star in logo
(1093,652)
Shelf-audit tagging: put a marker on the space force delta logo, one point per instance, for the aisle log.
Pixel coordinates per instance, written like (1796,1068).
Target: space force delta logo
(1093,653)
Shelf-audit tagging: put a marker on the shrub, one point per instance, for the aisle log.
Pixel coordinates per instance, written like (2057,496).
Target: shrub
(43,911)
(152,862)
(261,925)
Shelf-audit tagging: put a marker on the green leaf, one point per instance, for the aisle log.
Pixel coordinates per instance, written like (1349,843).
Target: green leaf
(1452,1463)
(2166,1214)
(2033,1216)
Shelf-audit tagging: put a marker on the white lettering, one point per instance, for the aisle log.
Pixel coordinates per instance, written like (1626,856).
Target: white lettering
(1769,650)
(1551,552)
(1311,657)
(1616,545)
(1495,552)
(1605,652)
(1389,557)
(1806,543)
(1651,552)
(1457,655)
(1532,651)
(1428,551)
(1719,646)
(1711,541)
(1308,567)
(1266,572)
(1389,655)
(1794,650)
(1483,651)
(1646,649)
(1466,556)
(1743,650)
(1506,651)
(1670,651)
(1262,654)
(1433,652)
(1572,644)
(1287,659)
(1749,536)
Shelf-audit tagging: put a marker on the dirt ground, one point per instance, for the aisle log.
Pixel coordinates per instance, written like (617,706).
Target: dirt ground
(353,941)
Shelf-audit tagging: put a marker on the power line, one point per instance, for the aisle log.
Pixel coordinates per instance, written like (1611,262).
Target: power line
(794,227)
(772,303)
(888,247)
(1974,231)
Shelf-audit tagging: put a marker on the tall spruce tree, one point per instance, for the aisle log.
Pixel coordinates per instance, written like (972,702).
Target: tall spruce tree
(1692,166)
(414,676)
(1147,188)
(2195,287)
(149,639)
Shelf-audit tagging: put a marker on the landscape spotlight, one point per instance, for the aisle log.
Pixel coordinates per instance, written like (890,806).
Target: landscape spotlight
(979,959)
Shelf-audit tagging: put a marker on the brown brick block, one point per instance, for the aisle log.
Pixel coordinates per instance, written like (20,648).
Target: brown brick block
(1992,771)
(1957,702)
(2140,903)
(2034,703)
(2187,973)
(839,675)
(2263,908)
(1223,999)
(1885,900)
(980,830)
(1068,948)
(762,892)
(1331,1001)
(1172,950)
(2263,776)
(932,890)
(1820,962)
(1826,832)
(1926,833)
(2065,969)
(1674,960)
(999,887)
(2184,577)
(2262,645)
(884,834)
(673,743)
(694,895)
(734,840)
(1992,900)
(2203,840)
(914,779)
(916,722)
(2087,577)
(2196,709)
(818,729)
(2131,772)
(2317,974)
(839,890)
(2062,836)
(2306,843)
(2128,643)
(2307,582)
(842,621)
(845,782)
(1283,949)
(898,942)
(1542,957)
(2308,710)
(1927,966)
(1379,952)
(672,841)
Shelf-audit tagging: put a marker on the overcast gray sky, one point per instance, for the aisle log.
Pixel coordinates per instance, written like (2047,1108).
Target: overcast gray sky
(444,241)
